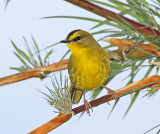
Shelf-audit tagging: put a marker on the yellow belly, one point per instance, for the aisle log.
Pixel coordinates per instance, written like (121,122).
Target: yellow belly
(88,72)
(91,75)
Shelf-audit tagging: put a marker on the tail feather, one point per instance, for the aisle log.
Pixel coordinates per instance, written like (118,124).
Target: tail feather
(76,95)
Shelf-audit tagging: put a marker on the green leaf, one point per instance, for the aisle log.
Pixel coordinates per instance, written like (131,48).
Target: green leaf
(6,1)
(61,78)
(20,52)
(126,11)
(106,22)
(134,70)
(132,74)
(96,92)
(157,70)
(125,22)
(37,50)
(116,102)
(104,4)
(134,47)
(152,129)
(149,71)
(158,131)
(73,17)
(103,31)
(118,4)
(64,56)
(20,69)
(21,60)
(47,56)
(33,60)
(49,47)
(131,103)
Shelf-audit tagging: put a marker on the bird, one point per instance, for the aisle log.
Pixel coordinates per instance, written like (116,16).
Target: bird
(88,66)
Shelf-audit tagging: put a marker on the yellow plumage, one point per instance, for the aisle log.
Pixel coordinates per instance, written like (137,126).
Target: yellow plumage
(89,64)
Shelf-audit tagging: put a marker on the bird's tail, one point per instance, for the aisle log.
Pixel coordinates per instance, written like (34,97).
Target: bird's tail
(76,95)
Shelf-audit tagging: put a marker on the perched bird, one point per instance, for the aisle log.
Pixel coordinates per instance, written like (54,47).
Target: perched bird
(88,66)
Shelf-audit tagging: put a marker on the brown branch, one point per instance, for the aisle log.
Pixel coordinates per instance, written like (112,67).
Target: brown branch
(109,14)
(52,124)
(155,63)
(120,91)
(40,71)
(102,100)
(129,45)
(36,72)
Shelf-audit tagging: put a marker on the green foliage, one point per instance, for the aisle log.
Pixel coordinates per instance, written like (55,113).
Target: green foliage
(144,12)
(152,91)
(6,2)
(64,56)
(30,59)
(134,97)
(59,97)
(153,129)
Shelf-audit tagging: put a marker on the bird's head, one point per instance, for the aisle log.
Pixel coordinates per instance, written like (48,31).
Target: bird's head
(78,39)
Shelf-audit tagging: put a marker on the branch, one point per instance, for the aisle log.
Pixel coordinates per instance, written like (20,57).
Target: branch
(36,72)
(140,51)
(52,124)
(134,87)
(155,63)
(109,14)
(41,71)
(138,84)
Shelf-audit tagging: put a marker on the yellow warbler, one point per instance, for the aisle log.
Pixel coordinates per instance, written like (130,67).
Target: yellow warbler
(88,65)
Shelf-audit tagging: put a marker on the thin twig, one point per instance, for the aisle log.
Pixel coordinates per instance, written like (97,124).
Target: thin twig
(50,125)
(109,14)
(36,72)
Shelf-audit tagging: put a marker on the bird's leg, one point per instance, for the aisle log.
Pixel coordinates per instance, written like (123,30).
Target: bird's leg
(87,104)
(111,92)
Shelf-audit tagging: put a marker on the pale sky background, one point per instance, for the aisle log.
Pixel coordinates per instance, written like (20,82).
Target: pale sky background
(22,107)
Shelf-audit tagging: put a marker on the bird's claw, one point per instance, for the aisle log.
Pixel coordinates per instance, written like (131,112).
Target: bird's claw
(111,92)
(87,106)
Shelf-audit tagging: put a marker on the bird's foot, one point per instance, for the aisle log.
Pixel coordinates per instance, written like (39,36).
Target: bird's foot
(87,106)
(111,92)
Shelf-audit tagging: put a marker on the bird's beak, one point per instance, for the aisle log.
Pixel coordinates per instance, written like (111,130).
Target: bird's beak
(65,41)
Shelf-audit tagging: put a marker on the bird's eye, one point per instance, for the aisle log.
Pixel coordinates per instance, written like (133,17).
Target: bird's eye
(77,38)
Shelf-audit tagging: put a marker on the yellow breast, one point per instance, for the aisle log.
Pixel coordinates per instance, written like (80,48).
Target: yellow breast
(89,68)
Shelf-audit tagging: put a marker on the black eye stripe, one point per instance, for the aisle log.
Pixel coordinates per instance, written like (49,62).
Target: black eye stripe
(77,38)
(71,33)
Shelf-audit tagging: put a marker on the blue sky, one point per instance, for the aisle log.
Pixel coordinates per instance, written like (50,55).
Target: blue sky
(22,107)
